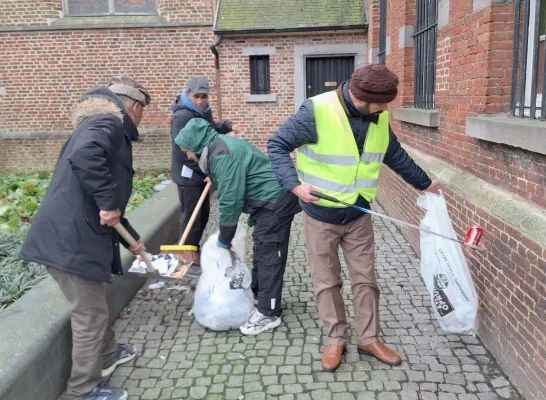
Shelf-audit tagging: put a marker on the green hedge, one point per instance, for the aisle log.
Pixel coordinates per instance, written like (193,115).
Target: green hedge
(20,197)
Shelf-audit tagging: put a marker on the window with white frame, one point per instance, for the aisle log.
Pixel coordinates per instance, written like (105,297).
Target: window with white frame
(95,8)
(528,74)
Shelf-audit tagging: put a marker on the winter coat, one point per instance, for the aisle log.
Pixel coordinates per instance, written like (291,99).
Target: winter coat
(183,111)
(94,172)
(241,173)
(301,129)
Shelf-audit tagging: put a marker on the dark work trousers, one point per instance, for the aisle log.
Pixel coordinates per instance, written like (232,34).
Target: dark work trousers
(271,239)
(189,197)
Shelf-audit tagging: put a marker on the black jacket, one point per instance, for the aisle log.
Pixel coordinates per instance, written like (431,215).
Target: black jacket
(300,129)
(94,172)
(181,116)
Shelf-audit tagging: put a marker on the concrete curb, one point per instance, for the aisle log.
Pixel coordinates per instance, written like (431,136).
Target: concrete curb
(35,335)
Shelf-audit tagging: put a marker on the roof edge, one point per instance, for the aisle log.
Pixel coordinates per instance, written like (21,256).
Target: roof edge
(216,15)
(288,30)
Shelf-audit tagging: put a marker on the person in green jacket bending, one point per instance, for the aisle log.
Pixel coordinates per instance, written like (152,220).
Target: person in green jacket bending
(246,183)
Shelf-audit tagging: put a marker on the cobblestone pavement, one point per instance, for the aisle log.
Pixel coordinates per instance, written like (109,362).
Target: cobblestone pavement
(179,359)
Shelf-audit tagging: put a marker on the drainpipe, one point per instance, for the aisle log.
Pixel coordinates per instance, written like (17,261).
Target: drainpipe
(214,51)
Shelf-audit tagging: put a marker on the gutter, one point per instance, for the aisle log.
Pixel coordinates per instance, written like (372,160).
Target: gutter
(288,30)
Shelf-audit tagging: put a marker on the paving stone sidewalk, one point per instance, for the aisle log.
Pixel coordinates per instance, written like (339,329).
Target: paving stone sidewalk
(179,359)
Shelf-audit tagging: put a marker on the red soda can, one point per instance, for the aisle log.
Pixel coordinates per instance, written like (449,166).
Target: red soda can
(473,235)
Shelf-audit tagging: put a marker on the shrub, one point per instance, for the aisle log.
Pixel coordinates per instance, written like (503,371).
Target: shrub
(16,276)
(20,197)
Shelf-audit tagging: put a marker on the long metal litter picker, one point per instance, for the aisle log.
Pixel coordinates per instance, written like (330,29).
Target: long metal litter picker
(365,210)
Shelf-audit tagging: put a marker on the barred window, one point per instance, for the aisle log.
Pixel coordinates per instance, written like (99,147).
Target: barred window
(259,75)
(528,73)
(425,39)
(87,8)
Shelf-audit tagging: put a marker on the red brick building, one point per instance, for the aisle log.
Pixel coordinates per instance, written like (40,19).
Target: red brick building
(469,109)
(459,116)
(52,51)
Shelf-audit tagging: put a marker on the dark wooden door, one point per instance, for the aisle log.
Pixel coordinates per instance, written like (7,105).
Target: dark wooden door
(326,73)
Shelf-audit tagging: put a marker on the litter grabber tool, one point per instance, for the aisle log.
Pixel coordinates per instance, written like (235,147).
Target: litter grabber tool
(184,253)
(471,241)
(151,271)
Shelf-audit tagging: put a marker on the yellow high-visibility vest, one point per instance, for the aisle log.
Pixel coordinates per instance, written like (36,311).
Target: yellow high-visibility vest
(333,164)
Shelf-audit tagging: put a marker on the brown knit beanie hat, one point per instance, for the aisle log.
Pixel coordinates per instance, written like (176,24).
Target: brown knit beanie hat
(374,83)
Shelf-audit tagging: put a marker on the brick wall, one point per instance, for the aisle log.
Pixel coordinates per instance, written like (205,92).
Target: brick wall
(195,10)
(372,8)
(36,13)
(28,12)
(474,55)
(42,84)
(45,72)
(260,120)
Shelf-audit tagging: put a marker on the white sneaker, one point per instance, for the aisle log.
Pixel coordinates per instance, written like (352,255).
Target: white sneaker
(258,323)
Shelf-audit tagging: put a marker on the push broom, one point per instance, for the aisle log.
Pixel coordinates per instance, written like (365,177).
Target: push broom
(184,253)
(150,270)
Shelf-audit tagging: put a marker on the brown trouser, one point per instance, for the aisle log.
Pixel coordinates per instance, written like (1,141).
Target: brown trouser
(93,340)
(357,242)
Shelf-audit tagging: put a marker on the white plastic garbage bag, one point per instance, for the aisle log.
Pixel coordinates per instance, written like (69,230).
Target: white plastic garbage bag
(223,298)
(445,271)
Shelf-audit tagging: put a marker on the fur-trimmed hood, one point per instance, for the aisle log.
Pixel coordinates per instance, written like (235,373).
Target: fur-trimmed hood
(94,106)
(101,100)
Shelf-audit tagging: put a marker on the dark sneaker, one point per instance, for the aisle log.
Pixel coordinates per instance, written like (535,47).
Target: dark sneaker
(258,323)
(103,392)
(125,354)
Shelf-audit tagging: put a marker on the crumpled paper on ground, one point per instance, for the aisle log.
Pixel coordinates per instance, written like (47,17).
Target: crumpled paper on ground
(166,264)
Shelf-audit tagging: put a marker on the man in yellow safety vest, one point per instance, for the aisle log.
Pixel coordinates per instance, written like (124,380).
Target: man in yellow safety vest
(343,138)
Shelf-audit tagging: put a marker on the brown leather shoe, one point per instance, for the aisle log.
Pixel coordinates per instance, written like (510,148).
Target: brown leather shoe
(381,352)
(331,357)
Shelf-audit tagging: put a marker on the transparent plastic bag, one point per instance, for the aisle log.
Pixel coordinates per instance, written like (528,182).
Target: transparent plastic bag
(223,298)
(445,271)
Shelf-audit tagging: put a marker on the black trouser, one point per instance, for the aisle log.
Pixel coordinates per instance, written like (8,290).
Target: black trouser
(189,197)
(271,239)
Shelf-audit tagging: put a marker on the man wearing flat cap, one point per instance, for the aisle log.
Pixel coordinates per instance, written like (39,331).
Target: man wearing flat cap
(72,233)
(343,138)
(193,102)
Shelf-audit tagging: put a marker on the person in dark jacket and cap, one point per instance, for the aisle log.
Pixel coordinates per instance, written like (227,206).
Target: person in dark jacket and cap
(192,103)
(72,232)
(246,183)
(343,137)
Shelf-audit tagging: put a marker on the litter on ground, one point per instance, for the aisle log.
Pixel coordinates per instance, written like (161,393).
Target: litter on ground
(180,288)
(166,264)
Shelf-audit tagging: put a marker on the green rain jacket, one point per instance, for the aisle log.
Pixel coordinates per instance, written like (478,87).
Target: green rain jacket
(241,173)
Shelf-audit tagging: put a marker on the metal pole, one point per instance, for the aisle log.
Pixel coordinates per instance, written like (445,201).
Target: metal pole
(524,58)
(543,102)
(534,70)
(515,46)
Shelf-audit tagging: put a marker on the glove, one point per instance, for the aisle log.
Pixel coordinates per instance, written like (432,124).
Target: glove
(223,246)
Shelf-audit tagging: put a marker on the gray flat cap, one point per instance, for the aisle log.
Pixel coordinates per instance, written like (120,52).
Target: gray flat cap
(128,87)
(199,85)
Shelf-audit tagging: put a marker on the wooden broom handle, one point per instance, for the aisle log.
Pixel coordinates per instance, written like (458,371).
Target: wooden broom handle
(194,214)
(132,243)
